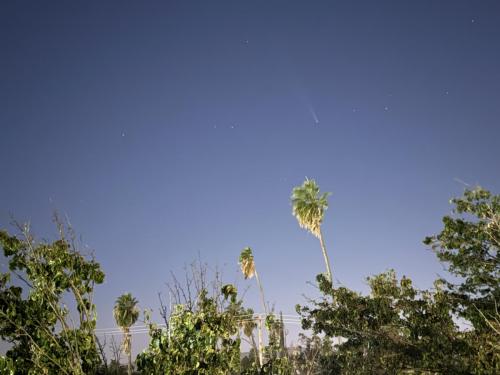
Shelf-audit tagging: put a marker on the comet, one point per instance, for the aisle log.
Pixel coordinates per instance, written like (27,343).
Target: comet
(313,114)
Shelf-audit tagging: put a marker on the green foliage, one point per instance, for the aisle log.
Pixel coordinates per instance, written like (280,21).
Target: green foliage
(229,291)
(199,341)
(34,319)
(314,355)
(396,328)
(277,361)
(469,246)
(276,358)
(115,368)
(6,366)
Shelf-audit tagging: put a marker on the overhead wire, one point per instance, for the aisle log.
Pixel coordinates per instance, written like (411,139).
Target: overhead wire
(144,328)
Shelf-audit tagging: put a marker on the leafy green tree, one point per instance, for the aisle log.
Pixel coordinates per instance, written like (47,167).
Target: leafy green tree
(47,314)
(277,359)
(396,329)
(278,362)
(469,247)
(315,355)
(309,207)
(202,340)
(126,314)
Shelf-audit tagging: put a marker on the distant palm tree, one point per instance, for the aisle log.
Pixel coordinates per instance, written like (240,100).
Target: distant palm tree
(248,325)
(247,265)
(309,208)
(126,314)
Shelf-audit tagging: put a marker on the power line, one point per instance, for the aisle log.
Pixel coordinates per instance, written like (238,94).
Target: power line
(139,329)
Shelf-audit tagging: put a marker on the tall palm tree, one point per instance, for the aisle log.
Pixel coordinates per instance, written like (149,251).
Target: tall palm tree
(247,265)
(126,314)
(309,207)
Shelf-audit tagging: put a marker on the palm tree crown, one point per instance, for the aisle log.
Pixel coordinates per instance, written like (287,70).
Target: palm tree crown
(247,263)
(309,206)
(126,311)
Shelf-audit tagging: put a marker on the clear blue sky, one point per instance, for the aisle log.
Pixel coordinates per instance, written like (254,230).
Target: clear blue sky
(171,128)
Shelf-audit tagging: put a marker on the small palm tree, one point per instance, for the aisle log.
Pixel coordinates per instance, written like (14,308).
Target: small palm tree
(247,265)
(309,207)
(126,314)
(248,325)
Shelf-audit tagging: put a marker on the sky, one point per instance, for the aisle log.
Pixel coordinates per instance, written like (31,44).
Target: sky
(168,130)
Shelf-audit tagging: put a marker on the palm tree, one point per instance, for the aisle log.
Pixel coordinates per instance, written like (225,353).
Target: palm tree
(309,207)
(248,325)
(247,265)
(126,314)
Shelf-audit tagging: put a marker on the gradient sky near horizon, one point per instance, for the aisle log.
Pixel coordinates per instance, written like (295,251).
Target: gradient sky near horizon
(168,129)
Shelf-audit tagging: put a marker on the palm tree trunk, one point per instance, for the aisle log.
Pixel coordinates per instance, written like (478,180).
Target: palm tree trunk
(325,255)
(261,346)
(129,352)
(261,332)
(262,299)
